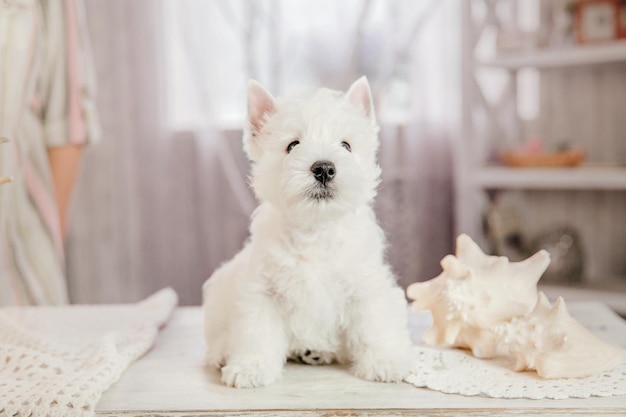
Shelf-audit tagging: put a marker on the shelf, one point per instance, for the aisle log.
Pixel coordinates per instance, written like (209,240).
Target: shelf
(608,53)
(579,178)
(612,293)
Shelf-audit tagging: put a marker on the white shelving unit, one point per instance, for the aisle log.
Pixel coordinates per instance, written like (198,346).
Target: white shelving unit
(579,178)
(602,54)
(475,175)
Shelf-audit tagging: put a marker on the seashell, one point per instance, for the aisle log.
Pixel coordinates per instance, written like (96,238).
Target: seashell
(554,344)
(474,292)
(491,306)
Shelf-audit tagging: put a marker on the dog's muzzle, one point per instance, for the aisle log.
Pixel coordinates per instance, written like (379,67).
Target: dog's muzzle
(323,172)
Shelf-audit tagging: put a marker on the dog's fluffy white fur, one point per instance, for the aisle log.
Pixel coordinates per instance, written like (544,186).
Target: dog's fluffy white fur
(312,282)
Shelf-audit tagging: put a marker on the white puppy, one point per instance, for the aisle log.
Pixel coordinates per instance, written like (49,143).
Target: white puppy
(312,282)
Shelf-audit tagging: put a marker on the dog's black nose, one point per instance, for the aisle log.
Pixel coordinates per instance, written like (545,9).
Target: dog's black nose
(323,171)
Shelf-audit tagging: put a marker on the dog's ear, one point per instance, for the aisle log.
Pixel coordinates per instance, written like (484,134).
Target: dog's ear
(261,104)
(360,95)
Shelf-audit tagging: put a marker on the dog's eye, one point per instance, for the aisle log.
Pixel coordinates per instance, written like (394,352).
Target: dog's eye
(346,145)
(292,145)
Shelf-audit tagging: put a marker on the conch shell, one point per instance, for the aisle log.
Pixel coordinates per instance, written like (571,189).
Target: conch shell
(474,292)
(491,306)
(551,342)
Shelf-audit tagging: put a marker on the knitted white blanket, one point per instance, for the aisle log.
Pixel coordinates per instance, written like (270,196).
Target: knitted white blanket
(57,361)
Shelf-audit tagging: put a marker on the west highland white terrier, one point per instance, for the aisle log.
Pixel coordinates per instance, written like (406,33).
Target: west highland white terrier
(311,284)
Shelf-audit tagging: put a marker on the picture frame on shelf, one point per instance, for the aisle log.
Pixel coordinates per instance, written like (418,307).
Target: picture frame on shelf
(621,20)
(597,20)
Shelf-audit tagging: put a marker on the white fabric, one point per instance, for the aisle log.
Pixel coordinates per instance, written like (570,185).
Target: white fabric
(59,361)
(456,371)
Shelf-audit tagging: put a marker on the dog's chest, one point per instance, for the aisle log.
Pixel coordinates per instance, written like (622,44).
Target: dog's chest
(313,310)
(309,285)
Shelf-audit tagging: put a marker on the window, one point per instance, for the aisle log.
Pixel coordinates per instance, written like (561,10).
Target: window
(404,47)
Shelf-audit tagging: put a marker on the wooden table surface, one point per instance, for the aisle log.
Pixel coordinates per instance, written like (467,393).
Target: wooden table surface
(172,381)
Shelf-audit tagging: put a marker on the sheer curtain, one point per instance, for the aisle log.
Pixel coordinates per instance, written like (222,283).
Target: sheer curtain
(163,200)
(151,209)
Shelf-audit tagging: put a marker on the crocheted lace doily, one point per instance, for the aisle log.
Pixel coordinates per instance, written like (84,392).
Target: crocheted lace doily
(57,361)
(456,371)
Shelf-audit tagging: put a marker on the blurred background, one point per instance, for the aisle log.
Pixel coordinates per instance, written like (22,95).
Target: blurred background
(499,118)
(163,199)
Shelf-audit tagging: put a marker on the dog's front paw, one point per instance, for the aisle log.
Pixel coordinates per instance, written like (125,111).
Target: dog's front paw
(249,373)
(383,369)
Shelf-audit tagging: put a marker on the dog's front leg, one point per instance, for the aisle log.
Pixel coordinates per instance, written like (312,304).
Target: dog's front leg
(377,336)
(258,346)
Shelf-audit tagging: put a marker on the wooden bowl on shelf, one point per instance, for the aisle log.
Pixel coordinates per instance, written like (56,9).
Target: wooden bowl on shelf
(569,158)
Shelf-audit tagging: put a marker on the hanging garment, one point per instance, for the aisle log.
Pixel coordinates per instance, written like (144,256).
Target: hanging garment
(46,100)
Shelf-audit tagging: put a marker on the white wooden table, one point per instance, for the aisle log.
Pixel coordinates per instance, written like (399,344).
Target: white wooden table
(172,381)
